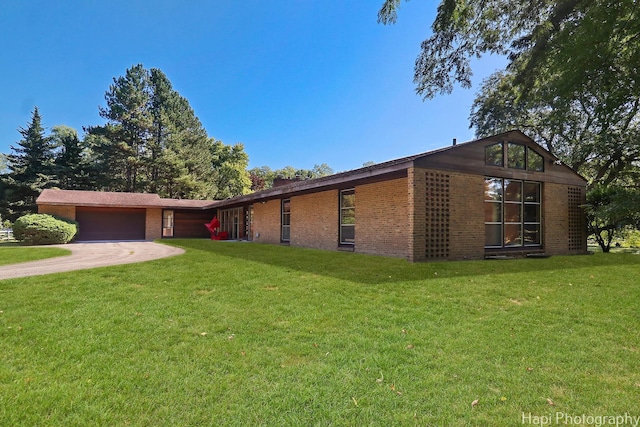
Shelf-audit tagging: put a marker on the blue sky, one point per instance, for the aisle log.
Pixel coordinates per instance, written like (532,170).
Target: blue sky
(297,82)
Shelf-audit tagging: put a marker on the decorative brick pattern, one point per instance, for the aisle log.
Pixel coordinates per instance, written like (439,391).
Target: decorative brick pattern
(437,215)
(577,222)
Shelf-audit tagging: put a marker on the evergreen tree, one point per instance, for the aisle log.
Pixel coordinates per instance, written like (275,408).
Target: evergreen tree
(71,166)
(153,142)
(30,171)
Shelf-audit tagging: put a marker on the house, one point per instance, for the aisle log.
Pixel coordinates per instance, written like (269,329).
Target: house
(502,195)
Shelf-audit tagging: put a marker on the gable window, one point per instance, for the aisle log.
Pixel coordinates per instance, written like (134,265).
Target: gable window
(285,234)
(518,156)
(512,213)
(535,162)
(493,155)
(167,223)
(347,217)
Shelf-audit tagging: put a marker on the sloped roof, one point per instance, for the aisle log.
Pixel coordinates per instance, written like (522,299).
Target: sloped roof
(369,173)
(114,199)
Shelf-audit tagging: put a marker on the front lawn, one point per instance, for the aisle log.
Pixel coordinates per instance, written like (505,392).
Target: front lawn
(248,334)
(11,253)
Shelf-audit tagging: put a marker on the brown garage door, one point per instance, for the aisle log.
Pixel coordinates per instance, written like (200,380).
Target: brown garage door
(110,223)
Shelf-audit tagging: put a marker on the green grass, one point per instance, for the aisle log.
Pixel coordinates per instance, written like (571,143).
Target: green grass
(11,253)
(248,334)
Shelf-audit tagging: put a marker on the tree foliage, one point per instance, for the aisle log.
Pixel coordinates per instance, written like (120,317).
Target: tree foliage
(153,142)
(262,177)
(589,38)
(31,169)
(609,210)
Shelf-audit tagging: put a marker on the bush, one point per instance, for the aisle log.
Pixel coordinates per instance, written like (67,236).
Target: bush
(42,229)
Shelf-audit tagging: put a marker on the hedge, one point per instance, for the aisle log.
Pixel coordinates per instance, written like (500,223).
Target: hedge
(43,229)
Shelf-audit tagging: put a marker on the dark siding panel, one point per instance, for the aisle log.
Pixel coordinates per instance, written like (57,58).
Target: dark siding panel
(190,224)
(110,223)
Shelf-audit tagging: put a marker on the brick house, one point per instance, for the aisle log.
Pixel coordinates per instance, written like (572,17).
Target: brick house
(499,195)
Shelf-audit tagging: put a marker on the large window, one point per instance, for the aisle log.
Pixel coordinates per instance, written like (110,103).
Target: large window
(347,217)
(512,211)
(285,234)
(518,156)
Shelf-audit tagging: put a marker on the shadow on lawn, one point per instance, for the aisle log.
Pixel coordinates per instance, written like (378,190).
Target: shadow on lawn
(372,269)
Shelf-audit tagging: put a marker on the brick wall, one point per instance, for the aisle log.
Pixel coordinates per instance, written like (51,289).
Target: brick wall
(555,217)
(466,204)
(314,220)
(68,212)
(266,221)
(416,209)
(382,218)
(153,224)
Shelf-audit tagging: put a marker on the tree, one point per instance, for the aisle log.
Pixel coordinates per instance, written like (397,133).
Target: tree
(609,209)
(593,38)
(262,177)
(153,142)
(602,146)
(229,170)
(30,171)
(71,165)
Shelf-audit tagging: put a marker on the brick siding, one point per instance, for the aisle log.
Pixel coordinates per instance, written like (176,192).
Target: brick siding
(153,224)
(68,212)
(314,220)
(467,216)
(266,222)
(382,218)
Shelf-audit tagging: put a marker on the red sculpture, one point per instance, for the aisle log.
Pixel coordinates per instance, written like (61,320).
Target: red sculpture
(213,227)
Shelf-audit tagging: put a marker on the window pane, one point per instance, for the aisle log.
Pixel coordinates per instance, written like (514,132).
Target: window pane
(493,155)
(512,212)
(347,233)
(532,192)
(532,234)
(286,206)
(493,189)
(348,216)
(535,162)
(285,233)
(513,235)
(492,212)
(513,190)
(515,154)
(348,199)
(531,213)
(493,235)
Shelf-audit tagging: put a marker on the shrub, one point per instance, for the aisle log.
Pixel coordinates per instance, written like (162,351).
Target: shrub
(42,229)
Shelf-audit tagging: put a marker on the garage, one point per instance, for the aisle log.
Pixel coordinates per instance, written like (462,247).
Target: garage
(110,223)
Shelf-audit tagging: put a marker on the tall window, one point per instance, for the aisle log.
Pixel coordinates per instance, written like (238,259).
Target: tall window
(167,223)
(285,234)
(347,217)
(512,213)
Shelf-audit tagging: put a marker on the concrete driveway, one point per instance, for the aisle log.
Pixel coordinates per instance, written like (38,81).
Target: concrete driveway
(91,255)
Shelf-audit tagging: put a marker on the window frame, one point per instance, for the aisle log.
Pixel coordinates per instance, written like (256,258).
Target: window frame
(168,223)
(509,207)
(285,220)
(506,160)
(342,224)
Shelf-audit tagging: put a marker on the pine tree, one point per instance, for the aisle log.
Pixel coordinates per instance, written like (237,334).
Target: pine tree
(30,170)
